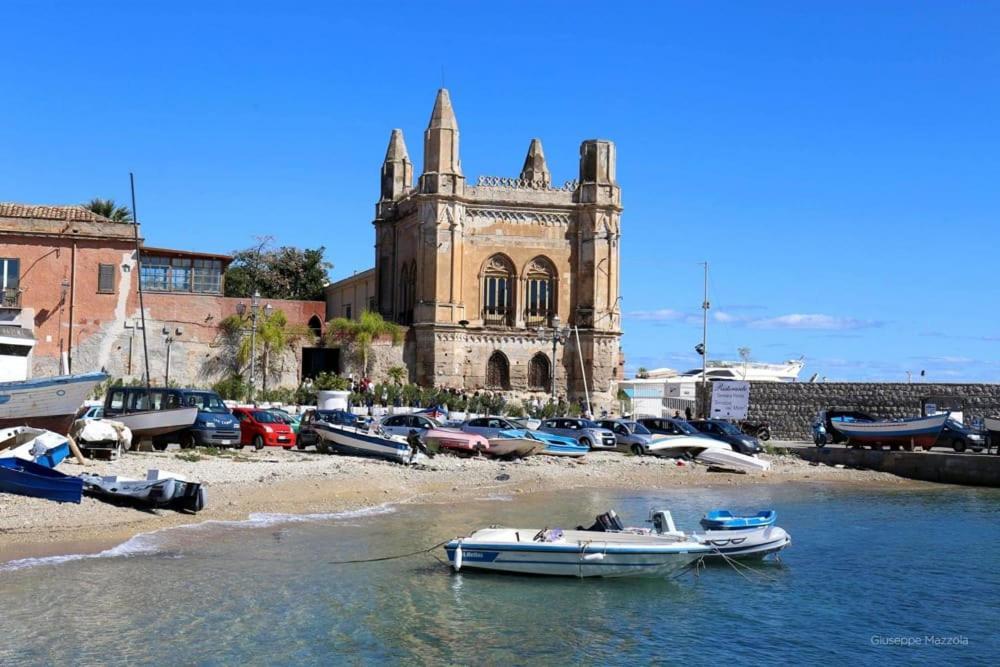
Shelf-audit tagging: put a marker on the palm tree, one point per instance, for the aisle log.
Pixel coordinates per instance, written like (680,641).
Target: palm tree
(642,372)
(109,209)
(274,335)
(396,374)
(361,333)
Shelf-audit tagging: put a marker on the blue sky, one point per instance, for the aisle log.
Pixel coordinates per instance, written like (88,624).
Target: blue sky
(836,163)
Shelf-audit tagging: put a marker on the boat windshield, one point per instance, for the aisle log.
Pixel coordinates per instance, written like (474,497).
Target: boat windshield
(265,417)
(636,427)
(206,402)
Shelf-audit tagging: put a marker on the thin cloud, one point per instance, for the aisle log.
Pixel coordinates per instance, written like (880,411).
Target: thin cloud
(814,321)
(660,315)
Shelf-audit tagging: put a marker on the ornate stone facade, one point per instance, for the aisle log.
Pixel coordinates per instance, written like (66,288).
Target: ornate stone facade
(480,273)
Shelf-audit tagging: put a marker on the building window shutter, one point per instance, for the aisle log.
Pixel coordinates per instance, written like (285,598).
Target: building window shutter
(106,278)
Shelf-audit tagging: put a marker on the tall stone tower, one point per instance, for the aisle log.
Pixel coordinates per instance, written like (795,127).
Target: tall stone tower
(481,273)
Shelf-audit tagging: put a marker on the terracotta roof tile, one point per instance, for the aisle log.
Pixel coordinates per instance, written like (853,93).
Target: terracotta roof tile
(67,213)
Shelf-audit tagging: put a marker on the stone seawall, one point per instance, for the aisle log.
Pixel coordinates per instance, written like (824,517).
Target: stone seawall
(790,407)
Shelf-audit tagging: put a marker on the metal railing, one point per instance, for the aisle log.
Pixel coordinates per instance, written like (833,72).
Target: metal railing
(539,318)
(498,317)
(11,298)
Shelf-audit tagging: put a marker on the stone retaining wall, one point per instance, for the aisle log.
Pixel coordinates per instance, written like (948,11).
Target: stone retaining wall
(790,407)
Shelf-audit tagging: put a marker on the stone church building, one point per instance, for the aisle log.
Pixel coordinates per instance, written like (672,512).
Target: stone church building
(482,272)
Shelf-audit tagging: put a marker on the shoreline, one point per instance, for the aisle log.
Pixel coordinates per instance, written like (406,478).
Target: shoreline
(243,485)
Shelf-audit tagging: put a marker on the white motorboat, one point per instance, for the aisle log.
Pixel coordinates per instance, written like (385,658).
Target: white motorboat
(48,403)
(149,423)
(159,489)
(364,442)
(724,457)
(681,446)
(743,543)
(574,553)
(511,444)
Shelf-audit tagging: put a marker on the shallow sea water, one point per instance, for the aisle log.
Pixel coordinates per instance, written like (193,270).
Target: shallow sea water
(873,576)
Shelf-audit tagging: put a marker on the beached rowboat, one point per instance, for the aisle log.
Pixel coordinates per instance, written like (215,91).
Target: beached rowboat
(26,478)
(918,432)
(48,403)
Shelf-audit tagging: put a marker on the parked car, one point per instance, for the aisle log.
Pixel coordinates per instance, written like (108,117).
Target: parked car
(403,424)
(960,437)
(728,433)
(295,421)
(584,431)
(260,427)
(489,427)
(630,436)
(669,426)
(91,412)
(214,425)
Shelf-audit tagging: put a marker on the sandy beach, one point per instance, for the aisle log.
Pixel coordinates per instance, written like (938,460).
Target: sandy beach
(275,481)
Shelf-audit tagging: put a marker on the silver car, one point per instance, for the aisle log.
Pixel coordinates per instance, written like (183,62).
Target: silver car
(403,424)
(489,427)
(631,436)
(583,431)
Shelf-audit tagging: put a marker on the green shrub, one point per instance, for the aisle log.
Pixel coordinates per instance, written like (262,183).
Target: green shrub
(232,388)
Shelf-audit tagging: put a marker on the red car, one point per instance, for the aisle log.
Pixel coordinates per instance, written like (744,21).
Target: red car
(261,427)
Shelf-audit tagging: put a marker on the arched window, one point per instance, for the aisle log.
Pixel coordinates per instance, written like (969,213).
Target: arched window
(498,371)
(407,292)
(540,298)
(539,373)
(316,326)
(498,302)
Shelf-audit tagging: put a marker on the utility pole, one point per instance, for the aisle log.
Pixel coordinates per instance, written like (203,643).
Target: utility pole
(704,348)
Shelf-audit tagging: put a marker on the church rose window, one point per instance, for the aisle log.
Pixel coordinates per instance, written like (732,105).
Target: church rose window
(498,371)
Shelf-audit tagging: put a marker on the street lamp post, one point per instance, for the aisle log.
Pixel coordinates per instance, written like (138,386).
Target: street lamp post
(241,310)
(558,336)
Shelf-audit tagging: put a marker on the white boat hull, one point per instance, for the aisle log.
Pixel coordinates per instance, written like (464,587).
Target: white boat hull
(360,442)
(519,447)
(727,458)
(157,422)
(46,403)
(745,543)
(576,554)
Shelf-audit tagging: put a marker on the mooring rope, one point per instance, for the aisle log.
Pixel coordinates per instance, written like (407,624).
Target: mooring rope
(384,558)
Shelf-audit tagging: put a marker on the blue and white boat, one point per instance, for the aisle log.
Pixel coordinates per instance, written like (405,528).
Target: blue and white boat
(33,444)
(574,553)
(725,520)
(363,442)
(27,478)
(558,445)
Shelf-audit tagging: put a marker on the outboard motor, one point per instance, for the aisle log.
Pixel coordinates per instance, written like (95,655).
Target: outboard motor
(606,523)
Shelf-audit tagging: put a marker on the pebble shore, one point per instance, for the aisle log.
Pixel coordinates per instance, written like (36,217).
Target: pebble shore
(243,482)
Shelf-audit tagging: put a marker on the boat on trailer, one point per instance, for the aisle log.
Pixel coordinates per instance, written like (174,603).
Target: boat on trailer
(48,403)
(906,433)
(364,442)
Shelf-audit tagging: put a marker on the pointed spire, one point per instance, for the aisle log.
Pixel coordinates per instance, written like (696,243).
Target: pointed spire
(442,166)
(397,148)
(443,115)
(535,171)
(397,170)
